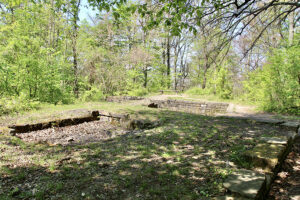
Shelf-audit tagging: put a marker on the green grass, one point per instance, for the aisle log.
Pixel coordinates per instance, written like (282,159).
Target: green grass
(212,98)
(185,158)
(49,112)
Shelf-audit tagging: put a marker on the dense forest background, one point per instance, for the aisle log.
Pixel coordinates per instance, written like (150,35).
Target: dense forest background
(49,55)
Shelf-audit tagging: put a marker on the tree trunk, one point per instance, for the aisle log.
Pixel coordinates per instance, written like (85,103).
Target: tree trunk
(175,68)
(168,61)
(145,78)
(291,28)
(75,13)
(75,68)
(204,78)
(163,53)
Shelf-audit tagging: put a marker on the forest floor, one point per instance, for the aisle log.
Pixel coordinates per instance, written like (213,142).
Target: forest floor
(187,157)
(287,184)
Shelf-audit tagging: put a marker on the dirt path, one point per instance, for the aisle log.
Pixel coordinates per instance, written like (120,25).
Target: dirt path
(236,110)
(287,183)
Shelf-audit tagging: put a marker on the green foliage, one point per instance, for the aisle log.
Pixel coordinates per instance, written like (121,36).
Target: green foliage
(198,91)
(138,92)
(48,56)
(219,83)
(276,87)
(223,83)
(32,64)
(94,94)
(237,156)
(17,104)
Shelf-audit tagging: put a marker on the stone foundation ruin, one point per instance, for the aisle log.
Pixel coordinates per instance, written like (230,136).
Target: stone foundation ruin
(120,99)
(204,108)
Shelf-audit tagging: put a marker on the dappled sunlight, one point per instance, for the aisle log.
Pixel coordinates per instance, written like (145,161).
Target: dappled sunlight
(172,160)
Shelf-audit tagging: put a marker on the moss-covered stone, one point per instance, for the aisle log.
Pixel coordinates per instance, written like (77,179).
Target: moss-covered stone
(292,126)
(83,116)
(266,156)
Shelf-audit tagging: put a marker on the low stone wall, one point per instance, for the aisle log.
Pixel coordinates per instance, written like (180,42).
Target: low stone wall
(124,121)
(205,108)
(118,119)
(120,99)
(86,116)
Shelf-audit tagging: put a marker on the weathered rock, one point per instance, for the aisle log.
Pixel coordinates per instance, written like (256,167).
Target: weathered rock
(291,135)
(83,116)
(115,119)
(104,113)
(246,183)
(275,140)
(120,99)
(153,105)
(141,124)
(261,120)
(292,126)
(265,156)
(207,108)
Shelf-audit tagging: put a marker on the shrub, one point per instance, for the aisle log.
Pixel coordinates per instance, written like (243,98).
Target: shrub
(138,92)
(94,94)
(198,91)
(18,104)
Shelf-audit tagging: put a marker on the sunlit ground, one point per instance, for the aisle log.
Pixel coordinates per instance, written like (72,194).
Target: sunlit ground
(187,157)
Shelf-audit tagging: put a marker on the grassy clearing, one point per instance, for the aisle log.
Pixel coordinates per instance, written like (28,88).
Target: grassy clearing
(187,157)
(49,111)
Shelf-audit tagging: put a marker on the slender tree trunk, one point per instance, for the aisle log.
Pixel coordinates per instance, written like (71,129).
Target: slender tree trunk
(75,12)
(145,77)
(204,77)
(169,61)
(175,69)
(75,68)
(163,53)
(291,28)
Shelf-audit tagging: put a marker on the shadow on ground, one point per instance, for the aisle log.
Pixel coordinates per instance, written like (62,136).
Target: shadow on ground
(187,157)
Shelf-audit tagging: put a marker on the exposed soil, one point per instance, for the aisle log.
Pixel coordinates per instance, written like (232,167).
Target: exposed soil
(78,134)
(287,183)
(187,157)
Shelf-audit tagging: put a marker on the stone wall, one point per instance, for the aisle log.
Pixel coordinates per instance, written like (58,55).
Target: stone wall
(204,108)
(124,121)
(83,116)
(120,99)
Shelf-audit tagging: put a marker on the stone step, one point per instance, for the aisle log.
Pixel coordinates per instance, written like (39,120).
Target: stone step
(262,120)
(245,183)
(266,156)
(275,140)
(291,126)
